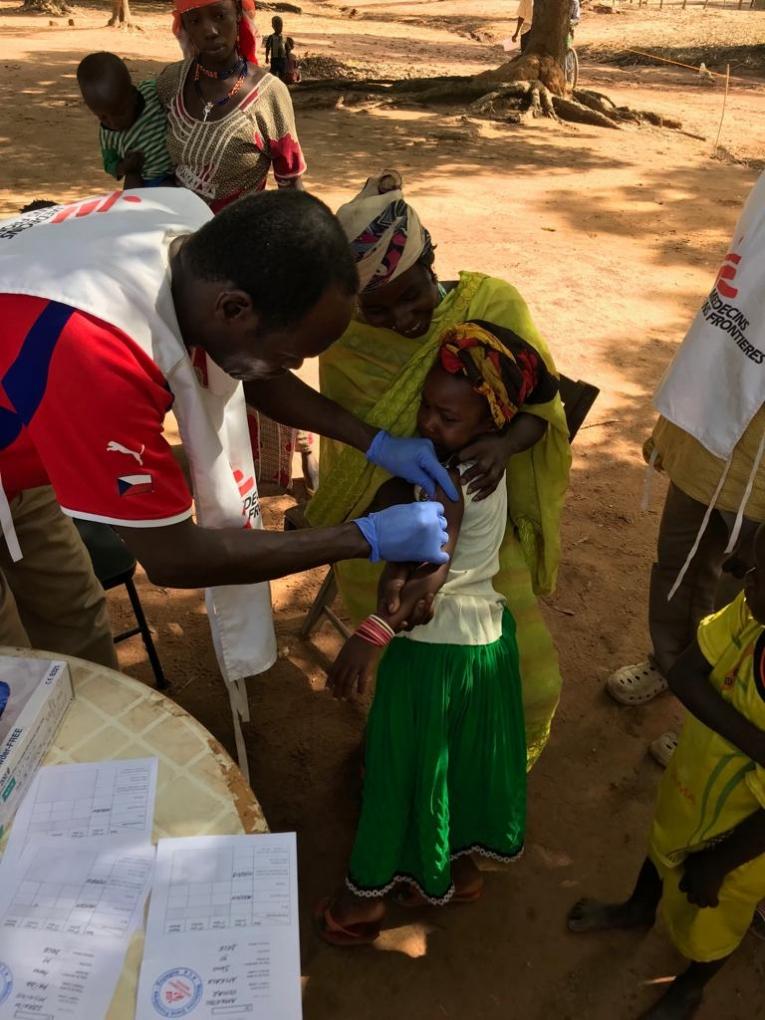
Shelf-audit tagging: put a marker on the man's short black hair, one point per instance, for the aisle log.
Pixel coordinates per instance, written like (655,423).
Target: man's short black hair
(283,248)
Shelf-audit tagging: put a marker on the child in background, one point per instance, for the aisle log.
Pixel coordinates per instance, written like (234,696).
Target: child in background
(292,74)
(133,123)
(445,775)
(276,48)
(706,862)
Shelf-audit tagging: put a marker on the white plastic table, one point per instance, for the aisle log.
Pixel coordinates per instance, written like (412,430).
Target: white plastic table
(200,791)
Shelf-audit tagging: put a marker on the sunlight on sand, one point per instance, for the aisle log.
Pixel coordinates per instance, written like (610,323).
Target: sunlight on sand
(410,939)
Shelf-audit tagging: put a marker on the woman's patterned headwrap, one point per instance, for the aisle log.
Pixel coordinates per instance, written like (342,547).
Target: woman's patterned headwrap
(384,232)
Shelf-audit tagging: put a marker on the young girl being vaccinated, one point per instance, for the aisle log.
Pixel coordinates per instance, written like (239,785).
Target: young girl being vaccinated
(445,773)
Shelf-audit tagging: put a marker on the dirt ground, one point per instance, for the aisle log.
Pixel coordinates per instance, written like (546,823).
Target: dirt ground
(613,237)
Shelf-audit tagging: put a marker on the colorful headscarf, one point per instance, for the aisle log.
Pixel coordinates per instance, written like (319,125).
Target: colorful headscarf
(384,232)
(476,350)
(247,40)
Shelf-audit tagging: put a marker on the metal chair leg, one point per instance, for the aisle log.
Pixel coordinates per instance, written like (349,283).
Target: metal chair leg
(324,597)
(148,641)
(322,606)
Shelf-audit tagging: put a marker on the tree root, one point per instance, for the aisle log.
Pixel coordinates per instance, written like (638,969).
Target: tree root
(546,101)
(579,113)
(507,99)
(283,8)
(600,104)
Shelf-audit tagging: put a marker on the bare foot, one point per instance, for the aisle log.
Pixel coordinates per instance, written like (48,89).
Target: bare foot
(592,915)
(679,1003)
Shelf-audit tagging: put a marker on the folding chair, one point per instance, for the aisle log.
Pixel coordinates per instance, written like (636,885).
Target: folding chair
(114,564)
(578,398)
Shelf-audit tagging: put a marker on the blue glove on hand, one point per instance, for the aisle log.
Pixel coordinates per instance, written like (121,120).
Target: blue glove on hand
(412,533)
(414,460)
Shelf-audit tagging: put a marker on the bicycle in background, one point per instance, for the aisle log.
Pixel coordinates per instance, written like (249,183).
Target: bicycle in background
(570,59)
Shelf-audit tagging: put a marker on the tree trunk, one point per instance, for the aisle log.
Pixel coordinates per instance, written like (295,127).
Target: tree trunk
(53,8)
(542,59)
(120,14)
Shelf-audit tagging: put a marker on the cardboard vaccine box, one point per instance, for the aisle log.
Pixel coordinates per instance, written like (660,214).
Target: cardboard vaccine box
(34,694)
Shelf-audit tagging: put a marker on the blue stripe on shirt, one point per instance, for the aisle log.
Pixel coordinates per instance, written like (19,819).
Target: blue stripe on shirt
(26,380)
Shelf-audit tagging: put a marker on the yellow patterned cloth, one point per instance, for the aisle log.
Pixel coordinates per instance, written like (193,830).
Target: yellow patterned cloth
(709,788)
(379,375)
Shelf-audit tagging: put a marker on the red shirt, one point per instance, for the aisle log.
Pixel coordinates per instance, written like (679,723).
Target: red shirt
(82,408)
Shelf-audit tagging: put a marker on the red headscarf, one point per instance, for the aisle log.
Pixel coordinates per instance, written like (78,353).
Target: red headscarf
(247,40)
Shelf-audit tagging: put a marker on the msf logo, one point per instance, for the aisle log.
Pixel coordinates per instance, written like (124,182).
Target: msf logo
(250,501)
(93,205)
(727,275)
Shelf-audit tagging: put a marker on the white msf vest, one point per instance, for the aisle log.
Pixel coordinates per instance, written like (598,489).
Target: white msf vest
(716,382)
(108,256)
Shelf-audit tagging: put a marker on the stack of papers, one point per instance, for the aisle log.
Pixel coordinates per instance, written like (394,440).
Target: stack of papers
(102,801)
(73,886)
(222,938)
(66,919)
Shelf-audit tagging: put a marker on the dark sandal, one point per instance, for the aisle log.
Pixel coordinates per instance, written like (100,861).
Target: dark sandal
(361,934)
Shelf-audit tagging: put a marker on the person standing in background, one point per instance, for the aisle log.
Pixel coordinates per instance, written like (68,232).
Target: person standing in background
(525,15)
(230,123)
(276,49)
(292,75)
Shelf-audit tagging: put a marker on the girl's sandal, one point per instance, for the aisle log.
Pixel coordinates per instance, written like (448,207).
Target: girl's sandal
(361,934)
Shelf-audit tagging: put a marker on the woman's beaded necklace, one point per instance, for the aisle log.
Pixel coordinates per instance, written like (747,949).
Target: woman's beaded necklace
(208,105)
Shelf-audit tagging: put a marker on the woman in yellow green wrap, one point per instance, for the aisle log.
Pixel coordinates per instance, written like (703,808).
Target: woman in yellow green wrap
(377,370)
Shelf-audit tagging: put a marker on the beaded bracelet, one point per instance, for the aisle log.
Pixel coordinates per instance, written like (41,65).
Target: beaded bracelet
(376,631)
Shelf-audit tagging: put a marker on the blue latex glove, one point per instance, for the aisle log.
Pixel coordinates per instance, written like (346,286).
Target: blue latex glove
(414,460)
(411,533)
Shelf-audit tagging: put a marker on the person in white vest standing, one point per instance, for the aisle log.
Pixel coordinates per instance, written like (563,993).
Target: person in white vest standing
(115,310)
(710,441)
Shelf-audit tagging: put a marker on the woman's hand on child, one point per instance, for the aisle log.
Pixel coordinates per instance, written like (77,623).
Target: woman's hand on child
(490,454)
(353,668)
(703,875)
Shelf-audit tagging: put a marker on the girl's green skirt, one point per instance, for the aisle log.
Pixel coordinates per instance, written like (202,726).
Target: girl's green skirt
(445,765)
